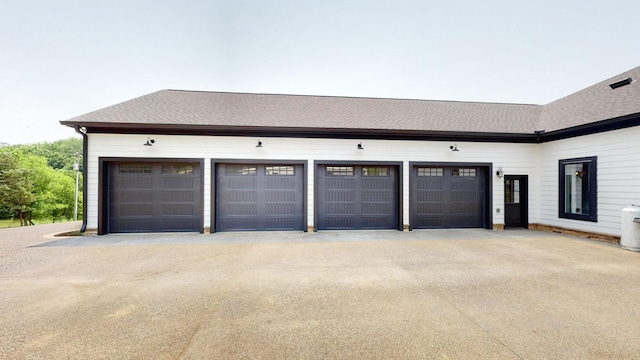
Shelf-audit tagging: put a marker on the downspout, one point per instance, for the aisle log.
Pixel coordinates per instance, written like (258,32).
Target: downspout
(85,151)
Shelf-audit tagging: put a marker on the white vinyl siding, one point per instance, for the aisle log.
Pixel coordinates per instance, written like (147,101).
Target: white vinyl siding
(618,177)
(519,159)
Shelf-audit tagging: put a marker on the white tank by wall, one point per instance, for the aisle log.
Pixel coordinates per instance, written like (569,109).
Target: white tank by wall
(630,238)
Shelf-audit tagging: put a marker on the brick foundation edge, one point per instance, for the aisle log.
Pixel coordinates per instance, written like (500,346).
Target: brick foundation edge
(586,234)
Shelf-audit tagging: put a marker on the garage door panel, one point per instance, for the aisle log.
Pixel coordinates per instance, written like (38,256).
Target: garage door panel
(448,197)
(146,197)
(259,197)
(134,225)
(177,210)
(437,208)
(239,182)
(242,196)
(135,181)
(430,183)
(176,182)
(357,197)
(465,184)
(375,184)
(341,221)
(376,209)
(431,221)
(178,224)
(275,183)
(339,209)
(131,210)
(277,196)
(237,223)
(379,221)
(280,223)
(131,197)
(338,184)
(280,209)
(244,210)
(376,196)
(339,195)
(178,196)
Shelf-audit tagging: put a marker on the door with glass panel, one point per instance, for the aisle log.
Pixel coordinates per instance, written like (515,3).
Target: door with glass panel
(515,201)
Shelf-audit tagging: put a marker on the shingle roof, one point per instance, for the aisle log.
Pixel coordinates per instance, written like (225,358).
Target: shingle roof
(595,103)
(193,108)
(200,109)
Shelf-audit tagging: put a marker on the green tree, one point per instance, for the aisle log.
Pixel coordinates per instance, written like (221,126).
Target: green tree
(30,188)
(56,200)
(60,154)
(16,189)
(53,189)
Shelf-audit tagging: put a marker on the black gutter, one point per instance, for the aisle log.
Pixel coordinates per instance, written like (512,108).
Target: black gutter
(333,133)
(621,122)
(85,151)
(535,137)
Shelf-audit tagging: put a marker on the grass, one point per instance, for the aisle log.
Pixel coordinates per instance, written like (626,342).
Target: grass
(7,223)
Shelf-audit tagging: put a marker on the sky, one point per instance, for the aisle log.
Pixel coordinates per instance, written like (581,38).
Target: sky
(62,58)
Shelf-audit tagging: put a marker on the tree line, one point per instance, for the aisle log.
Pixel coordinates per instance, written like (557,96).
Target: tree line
(38,181)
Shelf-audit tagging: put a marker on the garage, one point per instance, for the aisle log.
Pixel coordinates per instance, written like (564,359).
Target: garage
(154,197)
(449,197)
(354,197)
(259,197)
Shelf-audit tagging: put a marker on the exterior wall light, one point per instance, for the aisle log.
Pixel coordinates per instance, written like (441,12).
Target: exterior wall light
(360,146)
(259,144)
(500,173)
(149,142)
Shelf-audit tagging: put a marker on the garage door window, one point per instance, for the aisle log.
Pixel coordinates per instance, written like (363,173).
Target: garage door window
(430,172)
(463,172)
(339,171)
(177,169)
(375,171)
(135,168)
(240,170)
(280,170)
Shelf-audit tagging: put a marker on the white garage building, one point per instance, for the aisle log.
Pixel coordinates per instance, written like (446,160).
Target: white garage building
(210,161)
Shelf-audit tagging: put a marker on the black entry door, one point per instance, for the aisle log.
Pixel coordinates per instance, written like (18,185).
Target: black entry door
(515,201)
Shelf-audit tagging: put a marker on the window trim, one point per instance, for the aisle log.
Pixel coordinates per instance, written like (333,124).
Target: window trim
(340,170)
(375,171)
(433,171)
(245,170)
(279,170)
(593,188)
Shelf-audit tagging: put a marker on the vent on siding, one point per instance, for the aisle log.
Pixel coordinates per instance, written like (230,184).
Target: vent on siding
(620,83)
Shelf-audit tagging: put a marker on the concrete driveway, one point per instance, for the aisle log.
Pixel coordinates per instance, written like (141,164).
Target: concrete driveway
(457,294)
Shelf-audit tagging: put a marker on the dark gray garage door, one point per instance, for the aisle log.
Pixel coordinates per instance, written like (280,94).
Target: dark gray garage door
(357,197)
(448,197)
(154,197)
(259,197)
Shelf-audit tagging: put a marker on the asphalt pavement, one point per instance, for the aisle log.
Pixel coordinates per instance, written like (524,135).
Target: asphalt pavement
(441,294)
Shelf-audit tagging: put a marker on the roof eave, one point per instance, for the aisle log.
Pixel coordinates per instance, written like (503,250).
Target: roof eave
(343,133)
(616,123)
